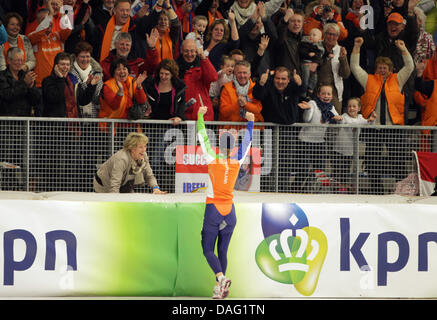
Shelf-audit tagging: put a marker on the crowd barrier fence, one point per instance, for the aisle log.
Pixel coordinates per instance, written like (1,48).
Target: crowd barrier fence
(63,154)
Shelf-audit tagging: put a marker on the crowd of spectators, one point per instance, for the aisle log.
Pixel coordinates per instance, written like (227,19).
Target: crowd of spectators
(277,59)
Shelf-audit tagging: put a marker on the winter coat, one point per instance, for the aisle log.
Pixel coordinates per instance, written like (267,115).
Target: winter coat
(279,107)
(53,95)
(229,108)
(136,65)
(178,107)
(16,97)
(116,174)
(198,80)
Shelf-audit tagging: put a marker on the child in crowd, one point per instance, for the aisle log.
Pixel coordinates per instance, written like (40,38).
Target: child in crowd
(311,148)
(225,75)
(199,27)
(343,148)
(311,50)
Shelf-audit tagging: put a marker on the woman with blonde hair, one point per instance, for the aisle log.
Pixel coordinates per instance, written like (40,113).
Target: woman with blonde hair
(127,168)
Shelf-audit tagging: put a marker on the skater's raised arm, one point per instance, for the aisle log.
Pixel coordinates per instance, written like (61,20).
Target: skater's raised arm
(244,148)
(203,137)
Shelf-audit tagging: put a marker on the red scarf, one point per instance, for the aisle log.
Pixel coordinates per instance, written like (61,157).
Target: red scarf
(70,105)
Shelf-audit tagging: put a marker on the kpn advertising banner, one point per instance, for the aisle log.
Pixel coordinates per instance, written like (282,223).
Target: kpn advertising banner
(72,248)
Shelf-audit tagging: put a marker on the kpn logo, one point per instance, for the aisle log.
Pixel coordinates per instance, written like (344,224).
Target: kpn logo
(292,252)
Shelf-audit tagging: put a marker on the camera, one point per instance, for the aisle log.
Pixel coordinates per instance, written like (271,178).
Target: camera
(326,9)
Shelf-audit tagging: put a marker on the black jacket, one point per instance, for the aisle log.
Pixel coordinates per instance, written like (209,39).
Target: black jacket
(305,48)
(16,98)
(53,96)
(250,46)
(287,48)
(179,105)
(279,107)
(385,46)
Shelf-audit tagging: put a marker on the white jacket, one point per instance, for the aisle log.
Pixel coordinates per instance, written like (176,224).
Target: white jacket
(314,134)
(344,143)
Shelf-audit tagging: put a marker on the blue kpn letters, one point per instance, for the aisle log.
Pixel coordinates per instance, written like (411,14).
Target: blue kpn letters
(11,265)
(384,266)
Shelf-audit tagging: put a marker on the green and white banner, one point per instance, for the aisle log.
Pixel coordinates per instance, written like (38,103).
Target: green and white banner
(295,249)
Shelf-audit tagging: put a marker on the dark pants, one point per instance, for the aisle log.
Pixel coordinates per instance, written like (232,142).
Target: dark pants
(217,228)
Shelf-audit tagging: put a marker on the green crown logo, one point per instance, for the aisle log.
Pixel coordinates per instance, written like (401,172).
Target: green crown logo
(292,252)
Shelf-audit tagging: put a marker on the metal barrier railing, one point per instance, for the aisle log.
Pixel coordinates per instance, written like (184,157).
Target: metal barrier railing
(61,154)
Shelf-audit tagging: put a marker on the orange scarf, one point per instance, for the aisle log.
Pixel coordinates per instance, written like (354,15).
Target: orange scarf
(213,17)
(164,47)
(20,45)
(107,38)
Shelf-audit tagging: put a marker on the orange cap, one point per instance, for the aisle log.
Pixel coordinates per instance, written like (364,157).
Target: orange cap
(396,17)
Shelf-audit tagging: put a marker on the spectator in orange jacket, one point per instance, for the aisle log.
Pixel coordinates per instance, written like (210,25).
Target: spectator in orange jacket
(321,12)
(48,38)
(119,92)
(237,98)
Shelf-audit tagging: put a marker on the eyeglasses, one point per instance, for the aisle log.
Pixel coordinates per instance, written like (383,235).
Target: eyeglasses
(331,34)
(17,60)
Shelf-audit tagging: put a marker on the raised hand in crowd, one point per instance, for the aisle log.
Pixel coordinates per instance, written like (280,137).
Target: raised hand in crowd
(201,53)
(288,14)
(231,16)
(144,11)
(297,79)
(401,46)
(343,52)
(167,4)
(187,6)
(140,79)
(152,38)
(263,44)
(358,42)
(388,7)
(261,9)
(411,5)
(30,78)
(264,77)
(93,79)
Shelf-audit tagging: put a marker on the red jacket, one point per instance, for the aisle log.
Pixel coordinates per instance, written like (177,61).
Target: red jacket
(198,80)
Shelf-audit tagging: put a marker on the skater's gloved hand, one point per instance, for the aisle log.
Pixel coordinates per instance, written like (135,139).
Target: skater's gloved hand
(250,116)
(203,109)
